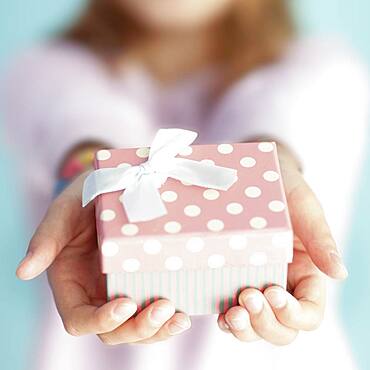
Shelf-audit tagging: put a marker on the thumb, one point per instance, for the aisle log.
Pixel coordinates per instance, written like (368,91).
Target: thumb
(311,227)
(41,253)
(56,230)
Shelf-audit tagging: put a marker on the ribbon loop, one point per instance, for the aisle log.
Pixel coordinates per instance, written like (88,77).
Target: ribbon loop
(203,174)
(141,198)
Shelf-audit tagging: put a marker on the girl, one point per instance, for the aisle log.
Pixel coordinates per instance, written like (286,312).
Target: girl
(232,70)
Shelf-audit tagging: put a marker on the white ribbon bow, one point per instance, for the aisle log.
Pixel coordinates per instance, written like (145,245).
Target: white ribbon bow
(141,198)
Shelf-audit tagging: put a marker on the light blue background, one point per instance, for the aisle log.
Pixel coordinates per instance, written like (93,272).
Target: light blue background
(24,22)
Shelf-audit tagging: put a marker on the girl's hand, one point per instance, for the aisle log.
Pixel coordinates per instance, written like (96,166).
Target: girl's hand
(276,315)
(66,241)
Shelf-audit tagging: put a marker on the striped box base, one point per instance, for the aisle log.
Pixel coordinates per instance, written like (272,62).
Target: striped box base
(196,292)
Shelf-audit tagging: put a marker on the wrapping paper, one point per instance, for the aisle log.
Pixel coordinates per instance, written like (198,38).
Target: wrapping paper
(210,244)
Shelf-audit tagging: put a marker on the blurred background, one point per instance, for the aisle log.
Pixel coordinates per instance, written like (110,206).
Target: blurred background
(23,23)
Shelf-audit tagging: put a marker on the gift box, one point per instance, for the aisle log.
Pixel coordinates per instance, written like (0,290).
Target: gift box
(207,244)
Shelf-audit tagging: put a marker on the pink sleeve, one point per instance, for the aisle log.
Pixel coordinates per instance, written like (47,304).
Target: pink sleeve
(58,95)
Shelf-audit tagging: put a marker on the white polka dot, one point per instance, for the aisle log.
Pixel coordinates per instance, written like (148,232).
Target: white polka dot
(103,155)
(282,240)
(152,246)
(121,198)
(271,176)
(195,244)
(129,229)
(258,222)
(225,148)
(131,264)
(192,210)
(276,206)
(208,161)
(186,151)
(107,215)
(265,147)
(211,194)
(252,192)
(258,259)
(186,183)
(142,152)
(215,225)
(173,263)
(124,165)
(238,242)
(169,196)
(172,227)
(234,208)
(109,249)
(216,260)
(248,162)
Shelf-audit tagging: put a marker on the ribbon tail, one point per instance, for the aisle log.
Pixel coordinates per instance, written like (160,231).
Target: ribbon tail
(203,174)
(143,202)
(104,180)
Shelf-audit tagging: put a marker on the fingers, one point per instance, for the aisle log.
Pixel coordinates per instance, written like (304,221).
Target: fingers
(263,319)
(237,321)
(177,324)
(80,317)
(312,229)
(145,325)
(276,315)
(88,319)
(222,324)
(55,231)
(113,321)
(304,311)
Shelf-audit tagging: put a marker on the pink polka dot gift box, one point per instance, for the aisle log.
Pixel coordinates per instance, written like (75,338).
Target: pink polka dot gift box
(191,223)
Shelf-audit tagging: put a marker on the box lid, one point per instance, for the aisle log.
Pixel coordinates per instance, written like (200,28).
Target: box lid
(248,224)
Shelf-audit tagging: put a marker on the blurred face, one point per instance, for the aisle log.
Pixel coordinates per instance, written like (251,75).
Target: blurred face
(176,14)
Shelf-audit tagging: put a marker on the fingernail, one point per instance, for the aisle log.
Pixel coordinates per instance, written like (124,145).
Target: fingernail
(238,322)
(253,303)
(337,260)
(123,310)
(161,314)
(28,270)
(276,297)
(179,326)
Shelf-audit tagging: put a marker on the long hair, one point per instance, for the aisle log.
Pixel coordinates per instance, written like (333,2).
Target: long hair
(253,33)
